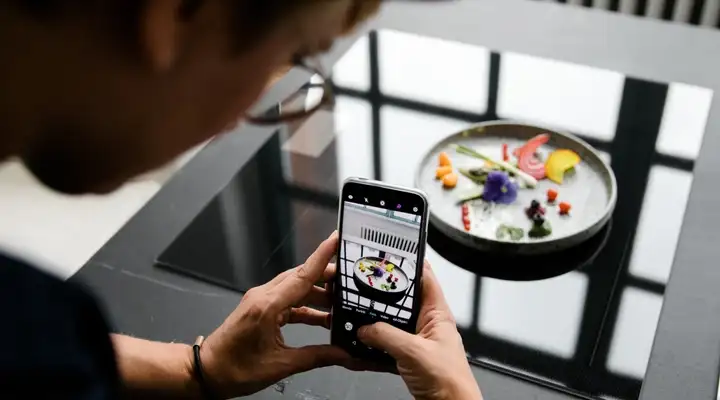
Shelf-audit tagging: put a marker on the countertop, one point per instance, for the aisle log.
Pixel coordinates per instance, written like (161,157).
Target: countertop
(149,302)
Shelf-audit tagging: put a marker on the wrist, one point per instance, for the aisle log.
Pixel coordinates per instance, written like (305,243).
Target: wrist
(207,381)
(155,370)
(461,386)
(191,386)
(465,387)
(465,391)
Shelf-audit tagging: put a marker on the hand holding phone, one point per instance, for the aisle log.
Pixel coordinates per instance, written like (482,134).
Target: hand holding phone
(384,293)
(432,363)
(248,353)
(380,255)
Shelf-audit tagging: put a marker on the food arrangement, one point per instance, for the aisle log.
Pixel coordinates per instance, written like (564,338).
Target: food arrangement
(379,274)
(488,186)
(385,281)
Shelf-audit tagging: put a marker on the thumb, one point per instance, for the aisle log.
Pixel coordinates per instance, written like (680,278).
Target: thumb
(386,337)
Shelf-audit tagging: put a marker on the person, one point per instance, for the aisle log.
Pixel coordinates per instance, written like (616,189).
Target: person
(95,92)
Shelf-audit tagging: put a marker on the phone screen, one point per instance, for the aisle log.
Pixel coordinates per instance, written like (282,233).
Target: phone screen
(379,261)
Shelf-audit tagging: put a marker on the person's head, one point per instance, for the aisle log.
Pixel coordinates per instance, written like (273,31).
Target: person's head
(94,92)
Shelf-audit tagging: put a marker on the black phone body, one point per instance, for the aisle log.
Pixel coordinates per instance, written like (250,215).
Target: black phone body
(382,236)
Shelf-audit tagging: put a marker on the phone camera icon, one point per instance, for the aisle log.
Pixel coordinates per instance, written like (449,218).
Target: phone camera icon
(348,326)
(415,209)
(399,206)
(350,197)
(382,202)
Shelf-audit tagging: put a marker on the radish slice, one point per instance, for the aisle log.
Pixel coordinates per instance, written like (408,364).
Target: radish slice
(533,143)
(528,163)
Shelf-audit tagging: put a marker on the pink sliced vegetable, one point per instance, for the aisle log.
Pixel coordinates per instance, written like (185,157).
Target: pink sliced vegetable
(527,162)
(535,142)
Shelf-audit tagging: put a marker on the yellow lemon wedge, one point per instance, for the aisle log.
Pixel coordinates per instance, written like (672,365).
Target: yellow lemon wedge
(559,162)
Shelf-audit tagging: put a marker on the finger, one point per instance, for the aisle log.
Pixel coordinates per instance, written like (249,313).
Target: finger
(303,359)
(283,317)
(329,273)
(309,316)
(330,288)
(432,294)
(380,335)
(318,297)
(297,285)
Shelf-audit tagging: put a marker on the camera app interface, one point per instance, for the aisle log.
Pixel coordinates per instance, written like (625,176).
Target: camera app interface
(378,261)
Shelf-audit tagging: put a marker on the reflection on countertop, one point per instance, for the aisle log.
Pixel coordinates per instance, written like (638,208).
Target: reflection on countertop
(588,329)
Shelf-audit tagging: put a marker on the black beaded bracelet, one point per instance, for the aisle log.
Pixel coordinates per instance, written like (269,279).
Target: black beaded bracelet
(198,370)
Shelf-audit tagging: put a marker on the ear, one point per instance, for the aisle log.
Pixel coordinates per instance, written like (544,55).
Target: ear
(160,27)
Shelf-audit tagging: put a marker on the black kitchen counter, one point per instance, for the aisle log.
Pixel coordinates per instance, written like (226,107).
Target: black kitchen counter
(150,302)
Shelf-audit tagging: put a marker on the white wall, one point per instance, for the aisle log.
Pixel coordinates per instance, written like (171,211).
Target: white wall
(59,233)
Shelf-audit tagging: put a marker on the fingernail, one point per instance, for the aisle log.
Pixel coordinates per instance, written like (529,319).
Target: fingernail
(362,331)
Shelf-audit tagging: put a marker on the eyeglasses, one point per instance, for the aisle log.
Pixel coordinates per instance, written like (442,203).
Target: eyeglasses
(314,95)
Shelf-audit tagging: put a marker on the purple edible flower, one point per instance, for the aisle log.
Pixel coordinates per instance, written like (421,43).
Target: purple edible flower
(499,188)
(378,272)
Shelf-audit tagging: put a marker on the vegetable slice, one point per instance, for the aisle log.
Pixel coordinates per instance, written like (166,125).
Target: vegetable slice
(440,172)
(450,180)
(474,194)
(564,208)
(477,175)
(444,159)
(535,142)
(527,161)
(529,180)
(552,195)
(466,217)
(559,162)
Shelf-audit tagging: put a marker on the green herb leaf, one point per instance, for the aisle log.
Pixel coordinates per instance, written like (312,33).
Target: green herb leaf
(504,231)
(516,234)
(540,231)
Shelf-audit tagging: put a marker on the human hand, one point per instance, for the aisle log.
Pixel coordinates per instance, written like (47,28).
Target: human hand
(247,352)
(432,363)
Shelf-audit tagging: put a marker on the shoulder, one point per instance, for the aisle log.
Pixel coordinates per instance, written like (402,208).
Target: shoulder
(52,329)
(29,296)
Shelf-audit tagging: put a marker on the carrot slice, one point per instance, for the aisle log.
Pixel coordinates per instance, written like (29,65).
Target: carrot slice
(444,159)
(450,180)
(440,172)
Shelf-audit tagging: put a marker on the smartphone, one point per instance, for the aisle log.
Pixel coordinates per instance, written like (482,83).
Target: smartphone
(383,231)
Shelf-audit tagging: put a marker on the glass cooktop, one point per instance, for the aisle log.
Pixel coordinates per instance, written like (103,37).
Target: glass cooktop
(582,321)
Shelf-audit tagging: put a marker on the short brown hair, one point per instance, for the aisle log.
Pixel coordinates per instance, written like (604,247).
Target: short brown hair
(253,18)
